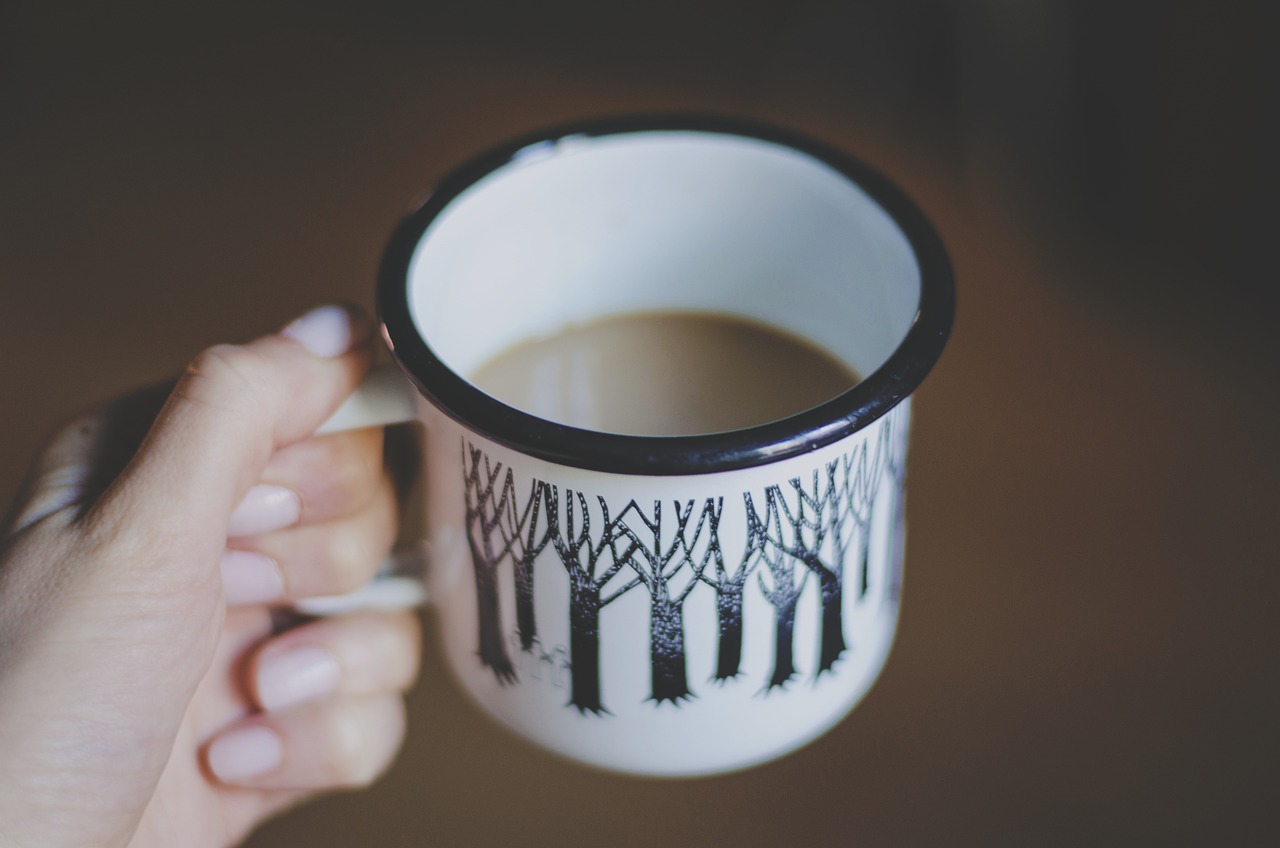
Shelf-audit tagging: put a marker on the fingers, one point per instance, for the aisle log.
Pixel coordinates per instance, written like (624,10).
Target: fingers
(332,476)
(332,557)
(312,481)
(321,521)
(340,742)
(234,407)
(360,654)
(332,714)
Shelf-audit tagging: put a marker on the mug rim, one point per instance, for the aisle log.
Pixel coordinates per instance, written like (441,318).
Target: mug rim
(705,453)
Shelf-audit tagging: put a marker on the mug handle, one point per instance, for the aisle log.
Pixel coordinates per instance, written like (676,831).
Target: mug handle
(383,397)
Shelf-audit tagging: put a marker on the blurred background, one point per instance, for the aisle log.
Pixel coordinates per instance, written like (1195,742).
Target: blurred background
(1088,650)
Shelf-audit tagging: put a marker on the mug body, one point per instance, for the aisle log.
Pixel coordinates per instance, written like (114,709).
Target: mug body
(666,605)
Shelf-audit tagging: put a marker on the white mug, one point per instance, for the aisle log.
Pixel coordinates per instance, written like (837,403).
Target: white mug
(667,606)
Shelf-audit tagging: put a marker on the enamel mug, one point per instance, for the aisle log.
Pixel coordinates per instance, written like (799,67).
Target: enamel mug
(665,606)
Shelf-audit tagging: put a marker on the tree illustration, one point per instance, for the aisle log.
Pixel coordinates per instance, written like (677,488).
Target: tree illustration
(810,526)
(813,530)
(520,535)
(658,565)
(785,591)
(729,586)
(862,477)
(591,561)
(488,494)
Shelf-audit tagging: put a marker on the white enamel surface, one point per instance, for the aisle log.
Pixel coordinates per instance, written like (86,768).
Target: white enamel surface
(587,227)
(724,726)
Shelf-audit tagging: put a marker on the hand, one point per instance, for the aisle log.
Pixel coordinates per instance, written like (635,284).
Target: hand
(144,698)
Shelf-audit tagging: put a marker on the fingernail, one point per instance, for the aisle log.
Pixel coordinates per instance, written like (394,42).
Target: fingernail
(326,331)
(263,509)
(286,678)
(244,753)
(249,577)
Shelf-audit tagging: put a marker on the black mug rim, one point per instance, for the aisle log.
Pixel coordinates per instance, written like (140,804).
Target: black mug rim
(798,434)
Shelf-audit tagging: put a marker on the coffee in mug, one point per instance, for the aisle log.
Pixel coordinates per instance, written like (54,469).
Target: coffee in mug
(664,374)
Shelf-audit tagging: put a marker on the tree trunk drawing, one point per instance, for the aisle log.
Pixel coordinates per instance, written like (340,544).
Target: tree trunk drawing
(815,534)
(591,563)
(526,622)
(526,544)
(669,679)
(485,507)
(492,651)
(584,646)
(833,644)
(864,473)
(729,611)
(864,563)
(657,565)
(729,592)
(785,591)
(784,629)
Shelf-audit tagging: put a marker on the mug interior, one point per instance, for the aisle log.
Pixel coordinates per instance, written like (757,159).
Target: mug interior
(582,227)
(651,214)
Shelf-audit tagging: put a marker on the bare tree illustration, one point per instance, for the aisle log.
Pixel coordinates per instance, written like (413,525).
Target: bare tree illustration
(813,530)
(520,535)
(591,561)
(729,587)
(658,566)
(863,475)
(785,591)
(488,493)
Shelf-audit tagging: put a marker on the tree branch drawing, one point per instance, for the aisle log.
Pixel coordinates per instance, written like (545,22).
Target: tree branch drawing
(813,532)
(488,494)
(729,586)
(657,563)
(591,561)
(864,472)
(809,528)
(519,531)
(785,592)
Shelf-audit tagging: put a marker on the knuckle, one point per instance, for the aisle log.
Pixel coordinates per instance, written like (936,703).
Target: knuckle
(221,374)
(347,750)
(354,465)
(351,560)
(355,756)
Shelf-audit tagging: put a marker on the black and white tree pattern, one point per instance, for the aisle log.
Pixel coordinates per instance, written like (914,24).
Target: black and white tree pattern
(730,586)
(489,494)
(591,560)
(665,563)
(782,590)
(807,530)
(806,523)
(863,474)
(520,534)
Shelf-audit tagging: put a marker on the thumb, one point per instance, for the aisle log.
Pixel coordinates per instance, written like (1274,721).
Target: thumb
(235,406)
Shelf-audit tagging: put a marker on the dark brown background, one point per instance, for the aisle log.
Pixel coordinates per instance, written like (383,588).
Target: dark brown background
(1088,652)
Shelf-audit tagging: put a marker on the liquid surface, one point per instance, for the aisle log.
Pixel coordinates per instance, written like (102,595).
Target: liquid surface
(664,374)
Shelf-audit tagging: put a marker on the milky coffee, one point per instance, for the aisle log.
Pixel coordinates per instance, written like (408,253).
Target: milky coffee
(664,374)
